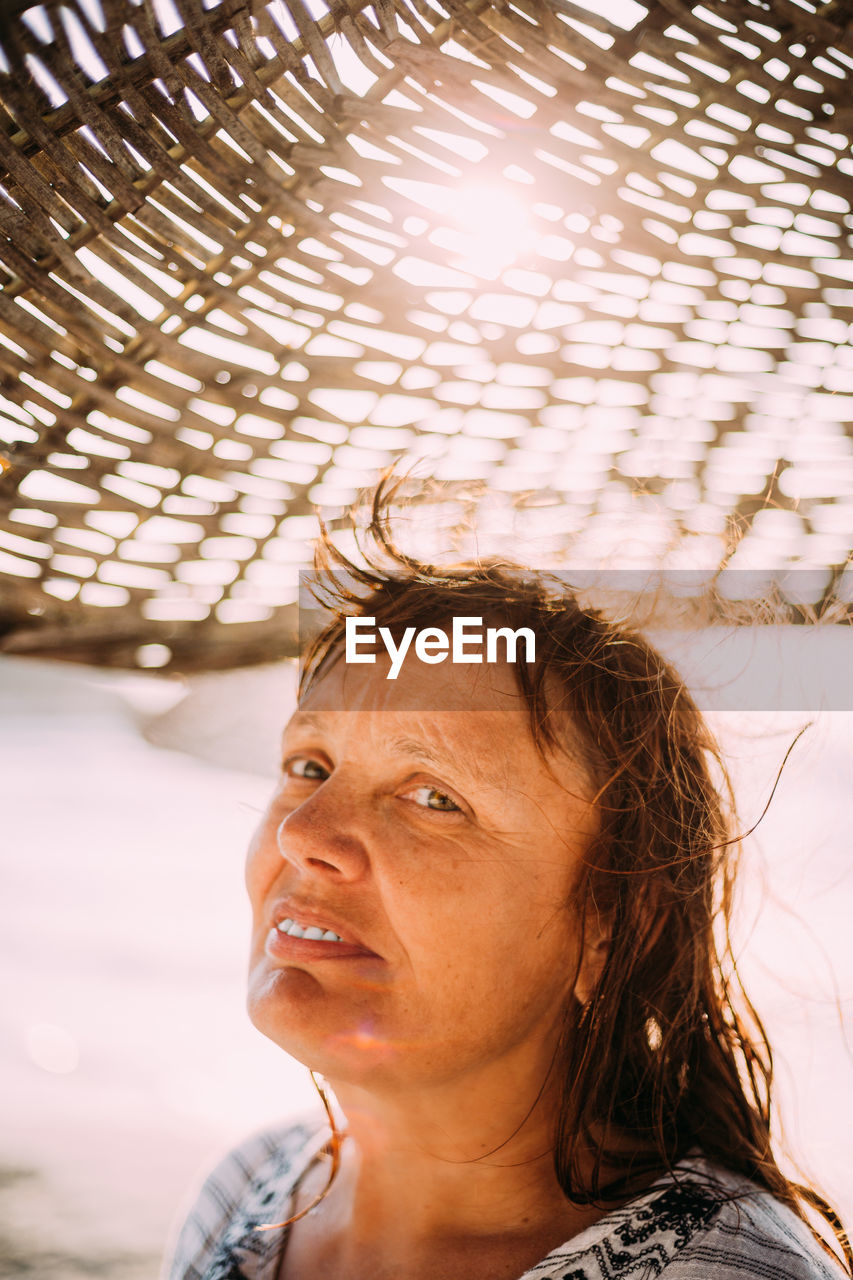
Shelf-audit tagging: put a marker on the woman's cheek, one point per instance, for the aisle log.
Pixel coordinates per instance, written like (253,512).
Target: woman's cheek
(440,873)
(263,860)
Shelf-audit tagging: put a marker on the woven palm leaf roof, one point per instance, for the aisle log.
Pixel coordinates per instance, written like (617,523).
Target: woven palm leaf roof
(252,253)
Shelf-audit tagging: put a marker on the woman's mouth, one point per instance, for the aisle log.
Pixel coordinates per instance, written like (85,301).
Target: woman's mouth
(313,933)
(295,940)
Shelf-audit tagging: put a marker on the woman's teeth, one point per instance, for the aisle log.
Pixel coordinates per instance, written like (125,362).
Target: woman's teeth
(313,934)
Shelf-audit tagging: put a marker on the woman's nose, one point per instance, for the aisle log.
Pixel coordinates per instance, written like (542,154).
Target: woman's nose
(319,838)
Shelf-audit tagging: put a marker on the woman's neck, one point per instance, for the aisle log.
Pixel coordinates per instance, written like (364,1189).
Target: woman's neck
(428,1179)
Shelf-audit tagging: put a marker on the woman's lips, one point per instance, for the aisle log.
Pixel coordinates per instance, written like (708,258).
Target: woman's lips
(290,918)
(279,946)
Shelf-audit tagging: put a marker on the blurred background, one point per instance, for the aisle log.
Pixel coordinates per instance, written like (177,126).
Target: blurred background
(593,257)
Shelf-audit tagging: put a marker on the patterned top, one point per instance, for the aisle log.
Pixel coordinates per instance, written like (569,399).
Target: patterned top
(705,1224)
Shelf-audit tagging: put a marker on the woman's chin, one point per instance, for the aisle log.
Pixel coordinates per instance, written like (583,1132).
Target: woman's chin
(340,1047)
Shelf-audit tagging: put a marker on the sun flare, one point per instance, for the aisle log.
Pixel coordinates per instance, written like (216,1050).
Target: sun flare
(493,225)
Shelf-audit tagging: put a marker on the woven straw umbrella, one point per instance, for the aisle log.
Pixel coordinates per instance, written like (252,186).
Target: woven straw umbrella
(252,252)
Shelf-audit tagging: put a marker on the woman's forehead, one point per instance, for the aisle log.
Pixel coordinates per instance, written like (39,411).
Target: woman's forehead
(473,721)
(483,745)
(416,687)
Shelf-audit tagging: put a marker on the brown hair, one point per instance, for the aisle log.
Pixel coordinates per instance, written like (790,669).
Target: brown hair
(667,1054)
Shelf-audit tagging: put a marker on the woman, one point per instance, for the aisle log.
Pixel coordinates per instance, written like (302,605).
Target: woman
(489,904)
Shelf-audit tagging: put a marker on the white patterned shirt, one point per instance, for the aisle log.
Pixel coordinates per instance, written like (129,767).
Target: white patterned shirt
(703,1224)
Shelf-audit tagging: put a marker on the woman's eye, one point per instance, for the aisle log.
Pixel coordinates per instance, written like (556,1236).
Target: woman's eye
(302,767)
(432,798)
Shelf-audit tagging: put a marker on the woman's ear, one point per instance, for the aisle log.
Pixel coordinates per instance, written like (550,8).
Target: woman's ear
(645,928)
(596,945)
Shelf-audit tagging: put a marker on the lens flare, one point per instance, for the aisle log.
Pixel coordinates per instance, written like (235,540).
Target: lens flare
(493,227)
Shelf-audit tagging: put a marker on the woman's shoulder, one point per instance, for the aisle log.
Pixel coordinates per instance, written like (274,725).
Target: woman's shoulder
(703,1222)
(752,1234)
(260,1170)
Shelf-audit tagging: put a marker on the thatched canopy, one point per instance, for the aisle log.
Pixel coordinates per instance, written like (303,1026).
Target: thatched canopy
(252,252)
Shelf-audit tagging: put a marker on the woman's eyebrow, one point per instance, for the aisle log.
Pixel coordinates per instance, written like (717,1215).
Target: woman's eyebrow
(414,748)
(422,751)
(304,720)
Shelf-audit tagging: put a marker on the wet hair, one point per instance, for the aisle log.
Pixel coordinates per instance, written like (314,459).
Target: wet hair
(667,1055)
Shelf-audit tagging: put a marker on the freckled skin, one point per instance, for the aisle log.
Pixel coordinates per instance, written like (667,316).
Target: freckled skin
(444,843)
(468,907)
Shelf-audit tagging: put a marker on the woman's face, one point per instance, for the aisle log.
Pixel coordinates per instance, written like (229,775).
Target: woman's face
(443,852)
